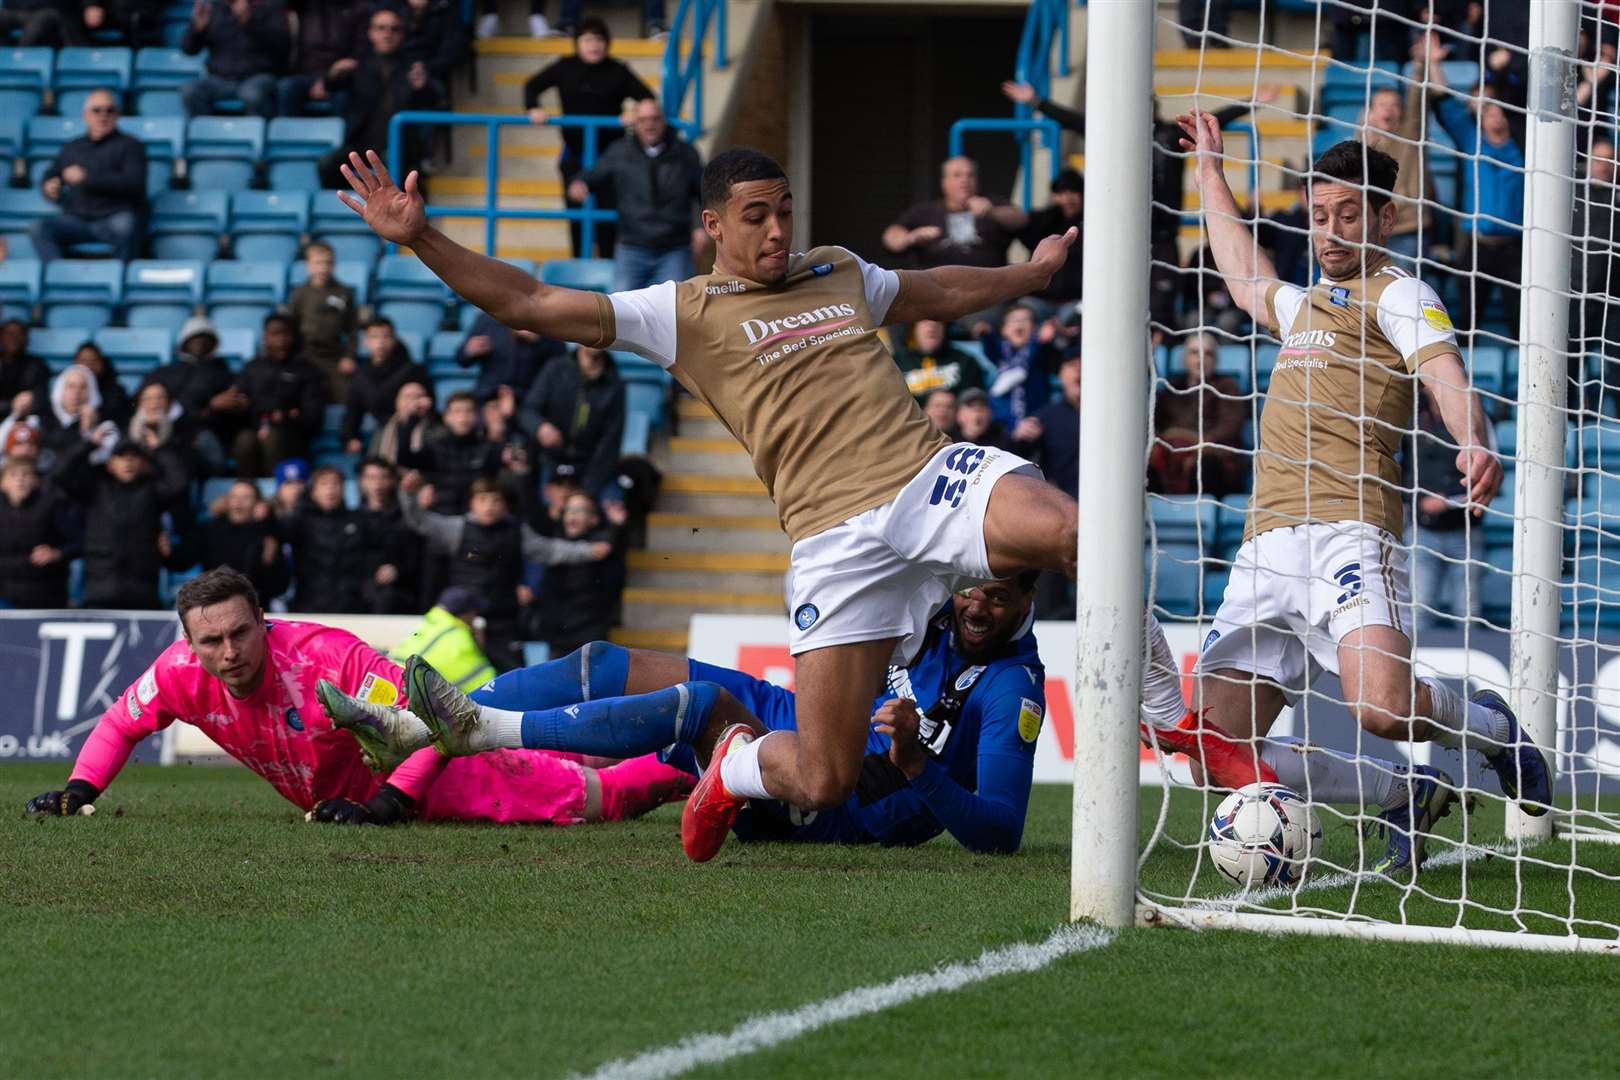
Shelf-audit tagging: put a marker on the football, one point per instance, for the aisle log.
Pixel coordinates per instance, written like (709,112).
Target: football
(1263,834)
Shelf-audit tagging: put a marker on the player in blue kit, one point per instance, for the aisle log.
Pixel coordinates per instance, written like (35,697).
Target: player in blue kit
(951,747)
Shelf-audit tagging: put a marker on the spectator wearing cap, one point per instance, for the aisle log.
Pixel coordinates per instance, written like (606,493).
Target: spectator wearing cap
(930,362)
(248,43)
(240,534)
(590,83)
(976,422)
(380,85)
(375,387)
(212,406)
(39,536)
(1062,294)
(291,482)
(20,440)
(130,497)
(579,602)
(391,558)
(287,399)
(507,360)
(655,179)
(99,181)
(323,535)
(25,379)
(448,638)
(576,411)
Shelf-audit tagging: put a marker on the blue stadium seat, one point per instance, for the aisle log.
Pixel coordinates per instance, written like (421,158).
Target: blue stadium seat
(161,293)
(976,350)
(165,140)
(82,292)
(356,275)
(20,282)
(1265,362)
(1183,519)
(1488,370)
(19,207)
(46,136)
(27,69)
(1600,447)
(1177,585)
(266,225)
(525,265)
(594,274)
(293,147)
(423,317)
(1507,438)
(1231,516)
(240,316)
(442,350)
(443,388)
(1594,600)
(237,344)
(466,315)
(91,68)
(57,346)
(172,27)
(233,281)
(135,350)
(224,150)
(13,127)
(347,246)
(187,224)
(404,277)
(159,74)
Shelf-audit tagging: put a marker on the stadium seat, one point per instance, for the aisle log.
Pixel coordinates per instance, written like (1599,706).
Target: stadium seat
(1175,573)
(27,69)
(165,140)
(594,274)
(423,317)
(161,293)
(536,652)
(1186,519)
(355,274)
(240,316)
(57,346)
(450,384)
(159,74)
(224,150)
(92,68)
(46,137)
(525,265)
(466,315)
(135,350)
(350,237)
(233,281)
(1507,438)
(1600,447)
(404,277)
(13,127)
(266,225)
(294,145)
(19,207)
(1265,362)
(442,350)
(237,344)
(1487,367)
(20,282)
(82,293)
(1231,517)
(187,224)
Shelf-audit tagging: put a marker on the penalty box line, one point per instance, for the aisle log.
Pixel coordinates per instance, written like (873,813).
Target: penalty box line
(772,1029)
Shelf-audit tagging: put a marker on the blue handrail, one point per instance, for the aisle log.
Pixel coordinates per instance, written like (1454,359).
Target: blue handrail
(588,215)
(1020,126)
(1046,24)
(693,20)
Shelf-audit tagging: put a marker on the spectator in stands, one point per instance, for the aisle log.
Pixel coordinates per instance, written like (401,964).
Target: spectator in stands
(977,424)
(331,33)
(515,453)
(1388,125)
(1206,301)
(1449,549)
(390,562)
(458,455)
(240,534)
(930,362)
(383,83)
(487,547)
(1489,241)
(403,438)
(74,415)
(327,318)
(1595,277)
(99,181)
(1051,439)
(590,83)
(54,23)
(1062,295)
(506,359)
(435,37)
(1286,235)
(157,421)
(576,411)
(327,555)
(940,407)
(450,638)
(248,43)
(961,227)
(1023,358)
(1198,418)
(292,484)
(212,406)
(489,22)
(115,404)
(19,440)
(654,179)
(40,534)
(25,380)
(128,498)
(1355,20)
(288,401)
(579,602)
(376,384)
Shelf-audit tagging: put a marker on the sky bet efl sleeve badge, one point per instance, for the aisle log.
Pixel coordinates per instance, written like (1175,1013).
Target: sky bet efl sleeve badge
(1434,313)
(1029,719)
(377,690)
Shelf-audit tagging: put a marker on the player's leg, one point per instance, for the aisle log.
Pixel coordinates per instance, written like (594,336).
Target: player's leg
(525,786)
(632,788)
(1030,525)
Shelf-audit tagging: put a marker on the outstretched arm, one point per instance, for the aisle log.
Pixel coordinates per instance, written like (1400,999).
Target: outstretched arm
(1246,269)
(949,292)
(507,293)
(1464,417)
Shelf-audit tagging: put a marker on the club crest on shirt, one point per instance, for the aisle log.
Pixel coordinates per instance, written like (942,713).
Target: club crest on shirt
(822,269)
(1339,296)
(294,721)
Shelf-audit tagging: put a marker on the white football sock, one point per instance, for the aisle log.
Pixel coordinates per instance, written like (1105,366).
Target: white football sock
(1452,717)
(1327,776)
(1162,704)
(498,729)
(740,769)
(413,732)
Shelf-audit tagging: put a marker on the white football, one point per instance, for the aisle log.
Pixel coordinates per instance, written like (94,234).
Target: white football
(1263,834)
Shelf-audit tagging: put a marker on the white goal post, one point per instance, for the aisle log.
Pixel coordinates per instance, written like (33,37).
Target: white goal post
(1499,878)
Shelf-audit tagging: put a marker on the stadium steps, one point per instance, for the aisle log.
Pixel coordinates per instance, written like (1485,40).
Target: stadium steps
(714,532)
(722,456)
(662,640)
(671,609)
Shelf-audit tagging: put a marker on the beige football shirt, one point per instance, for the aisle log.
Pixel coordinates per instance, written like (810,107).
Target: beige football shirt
(1340,400)
(797,373)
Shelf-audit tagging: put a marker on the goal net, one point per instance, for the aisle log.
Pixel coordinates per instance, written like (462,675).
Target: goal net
(1303,463)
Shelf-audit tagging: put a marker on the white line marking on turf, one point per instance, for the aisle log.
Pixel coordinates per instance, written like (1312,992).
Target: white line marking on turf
(763,1032)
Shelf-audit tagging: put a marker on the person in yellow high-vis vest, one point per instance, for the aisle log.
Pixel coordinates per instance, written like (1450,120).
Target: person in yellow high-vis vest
(448,639)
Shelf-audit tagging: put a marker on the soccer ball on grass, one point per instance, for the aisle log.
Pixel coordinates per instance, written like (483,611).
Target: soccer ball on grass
(1263,834)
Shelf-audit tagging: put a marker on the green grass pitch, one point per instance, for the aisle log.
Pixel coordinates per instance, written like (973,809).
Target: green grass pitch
(198,927)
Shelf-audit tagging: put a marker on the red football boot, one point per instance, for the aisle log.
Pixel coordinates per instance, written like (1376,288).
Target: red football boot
(711,809)
(1227,762)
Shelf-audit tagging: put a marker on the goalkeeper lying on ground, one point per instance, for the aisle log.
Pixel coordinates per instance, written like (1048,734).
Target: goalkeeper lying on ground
(251,687)
(952,746)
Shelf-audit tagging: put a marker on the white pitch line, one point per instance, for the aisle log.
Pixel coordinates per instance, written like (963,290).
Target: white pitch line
(763,1032)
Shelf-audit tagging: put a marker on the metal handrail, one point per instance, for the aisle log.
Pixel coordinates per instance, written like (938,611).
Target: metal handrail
(693,20)
(1021,127)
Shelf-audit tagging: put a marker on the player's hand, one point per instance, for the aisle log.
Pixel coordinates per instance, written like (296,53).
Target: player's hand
(77,798)
(397,216)
(897,718)
(1051,253)
(341,812)
(1021,92)
(1201,135)
(1482,473)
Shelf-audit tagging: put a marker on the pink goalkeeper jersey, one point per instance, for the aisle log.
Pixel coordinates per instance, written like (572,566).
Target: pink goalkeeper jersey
(280,732)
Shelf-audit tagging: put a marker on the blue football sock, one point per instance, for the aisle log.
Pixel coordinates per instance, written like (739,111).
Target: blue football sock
(623,727)
(591,672)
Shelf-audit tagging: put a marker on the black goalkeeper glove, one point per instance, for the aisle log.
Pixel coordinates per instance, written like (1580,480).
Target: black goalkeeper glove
(64,803)
(388,806)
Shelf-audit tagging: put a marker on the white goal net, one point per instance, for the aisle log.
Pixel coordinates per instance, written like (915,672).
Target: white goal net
(1308,477)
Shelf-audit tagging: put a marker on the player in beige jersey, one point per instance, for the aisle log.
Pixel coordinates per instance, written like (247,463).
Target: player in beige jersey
(887,517)
(1320,581)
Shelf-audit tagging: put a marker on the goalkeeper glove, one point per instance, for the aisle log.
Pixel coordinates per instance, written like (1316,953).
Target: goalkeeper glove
(64,803)
(388,806)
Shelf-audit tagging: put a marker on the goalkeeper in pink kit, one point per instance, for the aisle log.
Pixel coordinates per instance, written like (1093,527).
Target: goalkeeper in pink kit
(251,687)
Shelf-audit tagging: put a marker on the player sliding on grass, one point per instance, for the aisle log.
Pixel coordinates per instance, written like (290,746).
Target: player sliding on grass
(1320,581)
(887,517)
(953,745)
(251,687)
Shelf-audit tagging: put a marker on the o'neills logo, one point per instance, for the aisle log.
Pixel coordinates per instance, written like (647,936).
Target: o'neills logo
(821,320)
(725,287)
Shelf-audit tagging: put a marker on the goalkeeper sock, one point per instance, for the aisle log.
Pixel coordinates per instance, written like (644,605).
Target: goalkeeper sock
(1162,705)
(619,727)
(1326,776)
(1451,718)
(591,672)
